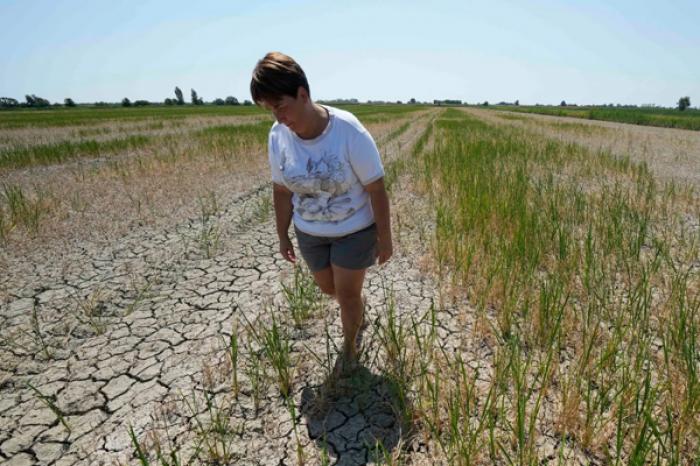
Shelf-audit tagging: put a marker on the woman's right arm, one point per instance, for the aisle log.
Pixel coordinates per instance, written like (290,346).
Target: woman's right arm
(282,200)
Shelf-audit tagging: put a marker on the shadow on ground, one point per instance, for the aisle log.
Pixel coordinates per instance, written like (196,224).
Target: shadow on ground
(357,418)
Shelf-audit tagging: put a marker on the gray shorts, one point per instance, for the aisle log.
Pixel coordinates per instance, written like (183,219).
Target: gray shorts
(354,251)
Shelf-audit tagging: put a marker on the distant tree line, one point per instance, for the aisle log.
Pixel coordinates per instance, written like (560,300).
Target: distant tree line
(683,103)
(34,101)
(31,100)
(136,103)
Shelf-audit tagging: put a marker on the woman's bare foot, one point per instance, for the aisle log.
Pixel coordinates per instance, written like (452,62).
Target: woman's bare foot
(345,364)
(350,355)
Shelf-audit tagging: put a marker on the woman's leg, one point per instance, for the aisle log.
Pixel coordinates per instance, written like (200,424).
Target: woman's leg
(324,280)
(348,291)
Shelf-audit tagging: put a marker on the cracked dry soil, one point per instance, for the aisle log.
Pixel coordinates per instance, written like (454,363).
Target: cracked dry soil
(124,335)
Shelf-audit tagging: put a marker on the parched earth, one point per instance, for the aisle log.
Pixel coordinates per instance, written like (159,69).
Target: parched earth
(103,339)
(132,336)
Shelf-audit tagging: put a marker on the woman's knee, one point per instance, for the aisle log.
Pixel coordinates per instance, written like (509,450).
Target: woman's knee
(348,284)
(348,298)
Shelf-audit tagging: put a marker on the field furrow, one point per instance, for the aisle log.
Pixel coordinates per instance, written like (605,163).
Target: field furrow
(542,305)
(134,334)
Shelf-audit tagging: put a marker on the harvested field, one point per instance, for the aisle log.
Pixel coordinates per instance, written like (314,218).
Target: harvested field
(542,306)
(672,154)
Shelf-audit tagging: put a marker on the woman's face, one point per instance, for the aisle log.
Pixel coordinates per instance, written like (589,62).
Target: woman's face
(287,110)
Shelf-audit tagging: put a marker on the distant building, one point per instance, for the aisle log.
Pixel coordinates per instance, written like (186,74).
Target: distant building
(447,102)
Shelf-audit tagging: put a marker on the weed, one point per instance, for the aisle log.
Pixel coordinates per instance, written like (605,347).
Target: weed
(208,206)
(91,310)
(327,362)
(392,336)
(22,209)
(36,334)
(140,454)
(216,434)
(325,456)
(231,346)
(142,293)
(258,210)
(49,402)
(303,296)
(209,239)
(5,226)
(167,454)
(291,407)
(255,373)
(276,345)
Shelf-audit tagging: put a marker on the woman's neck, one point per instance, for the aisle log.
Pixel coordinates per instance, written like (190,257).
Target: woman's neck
(318,120)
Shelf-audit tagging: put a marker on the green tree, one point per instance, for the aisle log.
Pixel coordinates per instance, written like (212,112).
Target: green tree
(683,103)
(178,96)
(7,102)
(219,102)
(34,101)
(563,103)
(196,100)
(169,101)
(68,102)
(126,102)
(231,101)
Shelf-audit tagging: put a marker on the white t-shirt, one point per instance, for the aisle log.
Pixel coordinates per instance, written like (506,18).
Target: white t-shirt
(327,174)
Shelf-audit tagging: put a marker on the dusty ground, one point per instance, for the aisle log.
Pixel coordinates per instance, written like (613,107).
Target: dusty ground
(117,331)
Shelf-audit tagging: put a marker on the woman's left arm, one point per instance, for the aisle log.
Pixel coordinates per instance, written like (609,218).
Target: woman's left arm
(382,217)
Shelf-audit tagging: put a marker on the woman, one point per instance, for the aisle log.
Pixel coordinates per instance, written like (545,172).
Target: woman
(328,177)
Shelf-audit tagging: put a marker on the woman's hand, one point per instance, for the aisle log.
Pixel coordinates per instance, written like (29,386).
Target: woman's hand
(287,249)
(380,206)
(384,250)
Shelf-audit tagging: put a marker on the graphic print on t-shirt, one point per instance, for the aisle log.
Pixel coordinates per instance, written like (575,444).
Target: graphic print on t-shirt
(322,187)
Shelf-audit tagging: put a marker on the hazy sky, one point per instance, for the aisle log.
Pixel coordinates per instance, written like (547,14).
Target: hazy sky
(536,51)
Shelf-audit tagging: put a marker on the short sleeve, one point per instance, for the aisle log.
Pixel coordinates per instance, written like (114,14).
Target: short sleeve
(273,155)
(364,158)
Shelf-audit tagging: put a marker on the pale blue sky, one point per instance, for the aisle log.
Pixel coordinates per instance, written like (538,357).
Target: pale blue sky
(536,51)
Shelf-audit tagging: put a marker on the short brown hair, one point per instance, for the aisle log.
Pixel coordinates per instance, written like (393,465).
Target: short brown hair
(275,76)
